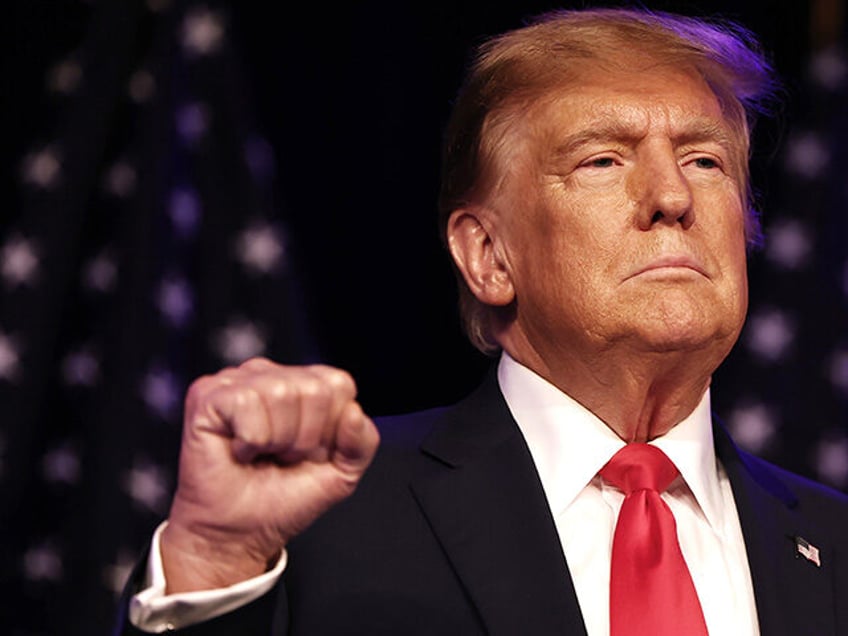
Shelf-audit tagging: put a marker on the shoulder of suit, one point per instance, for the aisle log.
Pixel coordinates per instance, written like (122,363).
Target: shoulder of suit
(408,430)
(806,490)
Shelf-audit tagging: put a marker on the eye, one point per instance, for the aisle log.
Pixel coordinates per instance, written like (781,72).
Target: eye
(706,163)
(600,162)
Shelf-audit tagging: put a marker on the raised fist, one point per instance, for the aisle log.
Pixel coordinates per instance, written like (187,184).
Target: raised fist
(266,450)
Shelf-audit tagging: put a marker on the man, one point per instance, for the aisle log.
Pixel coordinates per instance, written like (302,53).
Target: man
(596,205)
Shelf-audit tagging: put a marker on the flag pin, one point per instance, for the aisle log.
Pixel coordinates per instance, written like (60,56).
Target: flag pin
(807,550)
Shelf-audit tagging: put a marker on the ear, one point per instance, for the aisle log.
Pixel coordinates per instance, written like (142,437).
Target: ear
(478,255)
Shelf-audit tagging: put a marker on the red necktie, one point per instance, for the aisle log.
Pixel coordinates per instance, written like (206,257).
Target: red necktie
(651,590)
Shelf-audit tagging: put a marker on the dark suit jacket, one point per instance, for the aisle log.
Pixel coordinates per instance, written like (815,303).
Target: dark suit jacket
(449,533)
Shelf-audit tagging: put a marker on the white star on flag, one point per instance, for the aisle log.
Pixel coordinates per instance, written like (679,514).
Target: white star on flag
(752,427)
(147,484)
(184,211)
(259,248)
(43,563)
(64,78)
(238,341)
(788,244)
(9,357)
(203,32)
(161,392)
(81,368)
(829,68)
(42,168)
(807,155)
(62,465)
(100,273)
(120,180)
(832,460)
(175,301)
(770,332)
(192,121)
(19,261)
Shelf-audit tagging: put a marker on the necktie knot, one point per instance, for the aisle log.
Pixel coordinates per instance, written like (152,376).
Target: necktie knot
(639,467)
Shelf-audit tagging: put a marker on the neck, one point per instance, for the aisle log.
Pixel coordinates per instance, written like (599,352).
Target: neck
(639,395)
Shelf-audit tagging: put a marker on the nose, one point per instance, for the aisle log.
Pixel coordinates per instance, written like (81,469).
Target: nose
(666,194)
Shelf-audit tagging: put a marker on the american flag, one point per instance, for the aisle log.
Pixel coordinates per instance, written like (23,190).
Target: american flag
(808,551)
(146,247)
(784,390)
(144,241)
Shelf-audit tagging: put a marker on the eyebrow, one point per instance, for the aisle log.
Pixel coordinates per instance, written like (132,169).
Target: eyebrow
(697,130)
(606,130)
(704,129)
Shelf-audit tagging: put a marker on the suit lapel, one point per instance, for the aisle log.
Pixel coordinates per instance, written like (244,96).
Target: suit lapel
(793,595)
(482,496)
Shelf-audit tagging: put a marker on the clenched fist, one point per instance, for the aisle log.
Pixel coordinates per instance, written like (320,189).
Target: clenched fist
(266,450)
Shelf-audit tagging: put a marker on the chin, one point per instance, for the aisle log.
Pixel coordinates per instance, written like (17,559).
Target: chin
(686,336)
(688,320)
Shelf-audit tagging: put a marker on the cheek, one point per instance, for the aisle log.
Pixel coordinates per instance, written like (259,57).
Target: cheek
(582,219)
(729,249)
(732,234)
(720,214)
(740,272)
(565,245)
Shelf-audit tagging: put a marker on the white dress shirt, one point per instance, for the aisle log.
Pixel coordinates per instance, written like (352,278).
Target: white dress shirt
(569,446)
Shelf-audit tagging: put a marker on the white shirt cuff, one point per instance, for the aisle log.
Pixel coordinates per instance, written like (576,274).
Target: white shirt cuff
(153,611)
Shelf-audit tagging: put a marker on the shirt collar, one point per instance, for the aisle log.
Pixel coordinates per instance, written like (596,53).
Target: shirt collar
(568,457)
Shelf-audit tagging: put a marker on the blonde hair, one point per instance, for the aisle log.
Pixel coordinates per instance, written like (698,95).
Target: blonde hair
(512,70)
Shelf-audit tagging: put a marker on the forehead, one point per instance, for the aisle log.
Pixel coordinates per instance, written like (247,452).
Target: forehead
(633,101)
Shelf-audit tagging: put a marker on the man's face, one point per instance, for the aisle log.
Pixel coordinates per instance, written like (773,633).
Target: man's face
(621,221)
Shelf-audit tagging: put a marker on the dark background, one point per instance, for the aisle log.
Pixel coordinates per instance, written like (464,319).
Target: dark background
(343,108)
(360,103)
(353,99)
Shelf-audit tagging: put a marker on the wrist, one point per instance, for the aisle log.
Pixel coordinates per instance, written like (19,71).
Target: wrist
(195,561)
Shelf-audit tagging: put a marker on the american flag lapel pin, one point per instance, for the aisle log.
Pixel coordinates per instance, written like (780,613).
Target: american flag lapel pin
(807,550)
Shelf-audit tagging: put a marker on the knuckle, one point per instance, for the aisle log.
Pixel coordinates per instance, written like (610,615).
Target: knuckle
(352,412)
(280,391)
(247,426)
(339,380)
(200,389)
(257,365)
(244,397)
(314,390)
(203,384)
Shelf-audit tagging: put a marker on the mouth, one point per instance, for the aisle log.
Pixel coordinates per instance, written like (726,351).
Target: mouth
(670,266)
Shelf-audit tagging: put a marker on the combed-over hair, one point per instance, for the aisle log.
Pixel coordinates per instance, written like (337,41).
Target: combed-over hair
(512,70)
